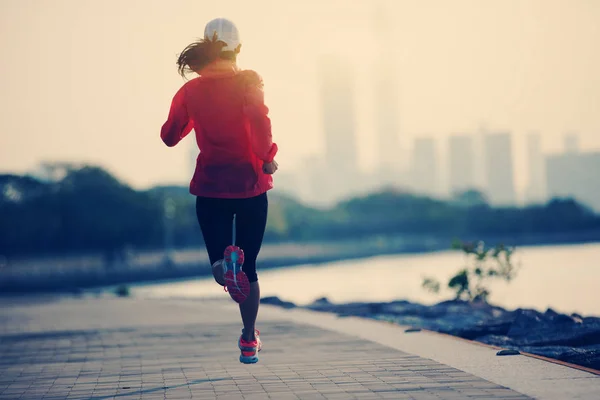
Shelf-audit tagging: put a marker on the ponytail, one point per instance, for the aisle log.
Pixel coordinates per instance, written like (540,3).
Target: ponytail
(199,54)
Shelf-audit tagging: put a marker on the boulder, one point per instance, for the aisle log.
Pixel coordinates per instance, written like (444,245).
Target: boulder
(276,301)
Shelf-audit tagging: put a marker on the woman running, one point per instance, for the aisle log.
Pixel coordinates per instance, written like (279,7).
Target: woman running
(225,107)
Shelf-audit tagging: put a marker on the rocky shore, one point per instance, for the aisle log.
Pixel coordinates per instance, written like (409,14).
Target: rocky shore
(570,338)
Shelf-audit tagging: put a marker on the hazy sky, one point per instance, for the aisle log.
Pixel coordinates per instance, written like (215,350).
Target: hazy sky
(84,80)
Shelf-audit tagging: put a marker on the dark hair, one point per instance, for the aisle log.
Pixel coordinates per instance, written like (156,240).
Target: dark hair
(201,53)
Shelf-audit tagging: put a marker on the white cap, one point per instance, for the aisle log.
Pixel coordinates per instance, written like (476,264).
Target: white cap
(225,30)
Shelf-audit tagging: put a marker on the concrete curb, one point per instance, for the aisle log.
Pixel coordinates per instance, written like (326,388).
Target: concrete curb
(547,359)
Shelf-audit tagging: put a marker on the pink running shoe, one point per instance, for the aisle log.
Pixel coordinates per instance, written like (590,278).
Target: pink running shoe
(218,270)
(250,350)
(236,281)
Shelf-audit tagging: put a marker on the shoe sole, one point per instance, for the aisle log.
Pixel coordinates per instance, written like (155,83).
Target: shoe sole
(236,281)
(248,359)
(218,273)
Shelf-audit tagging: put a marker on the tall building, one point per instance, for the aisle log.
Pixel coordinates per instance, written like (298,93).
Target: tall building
(535,190)
(571,143)
(339,124)
(461,163)
(385,79)
(576,176)
(316,182)
(424,166)
(499,169)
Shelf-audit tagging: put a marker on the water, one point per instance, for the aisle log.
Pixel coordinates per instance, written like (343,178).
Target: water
(565,278)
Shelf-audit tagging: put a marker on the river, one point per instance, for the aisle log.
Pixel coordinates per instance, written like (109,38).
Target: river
(565,278)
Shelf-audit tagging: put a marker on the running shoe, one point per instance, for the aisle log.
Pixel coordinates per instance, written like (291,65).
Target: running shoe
(236,281)
(218,271)
(249,350)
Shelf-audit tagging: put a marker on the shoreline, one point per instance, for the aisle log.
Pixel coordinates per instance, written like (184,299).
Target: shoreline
(76,273)
(75,281)
(573,339)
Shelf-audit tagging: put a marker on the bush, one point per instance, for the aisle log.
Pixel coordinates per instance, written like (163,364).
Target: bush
(483,264)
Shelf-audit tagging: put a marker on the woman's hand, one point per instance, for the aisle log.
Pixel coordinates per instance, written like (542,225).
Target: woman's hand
(270,168)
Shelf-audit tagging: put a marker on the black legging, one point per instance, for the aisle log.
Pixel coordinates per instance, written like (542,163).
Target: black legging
(215,217)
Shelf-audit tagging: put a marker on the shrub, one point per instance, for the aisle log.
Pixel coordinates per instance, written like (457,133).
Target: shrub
(483,264)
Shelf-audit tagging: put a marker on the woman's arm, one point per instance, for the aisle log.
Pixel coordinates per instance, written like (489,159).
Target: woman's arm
(178,123)
(258,115)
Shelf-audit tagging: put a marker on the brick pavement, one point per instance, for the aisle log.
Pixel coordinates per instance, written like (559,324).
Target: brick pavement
(149,349)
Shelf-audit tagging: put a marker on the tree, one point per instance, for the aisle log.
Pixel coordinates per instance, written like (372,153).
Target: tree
(85,208)
(469,198)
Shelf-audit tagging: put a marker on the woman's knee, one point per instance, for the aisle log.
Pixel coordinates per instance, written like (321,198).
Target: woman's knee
(250,271)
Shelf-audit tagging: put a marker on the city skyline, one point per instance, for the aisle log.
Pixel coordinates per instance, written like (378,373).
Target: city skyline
(340,164)
(386,104)
(102,93)
(496,160)
(461,163)
(536,183)
(425,167)
(576,175)
(499,182)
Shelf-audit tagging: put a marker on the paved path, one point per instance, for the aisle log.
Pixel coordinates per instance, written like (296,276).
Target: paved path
(105,348)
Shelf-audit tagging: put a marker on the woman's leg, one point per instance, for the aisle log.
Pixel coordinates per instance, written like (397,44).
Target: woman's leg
(215,218)
(251,221)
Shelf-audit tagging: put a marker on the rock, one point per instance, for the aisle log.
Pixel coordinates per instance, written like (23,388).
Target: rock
(532,328)
(402,308)
(508,353)
(358,309)
(484,329)
(276,301)
(577,317)
(322,300)
(322,303)
(496,340)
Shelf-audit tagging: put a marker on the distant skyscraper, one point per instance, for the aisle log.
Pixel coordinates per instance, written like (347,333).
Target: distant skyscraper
(460,162)
(316,182)
(499,169)
(534,193)
(338,111)
(576,176)
(386,97)
(424,166)
(571,143)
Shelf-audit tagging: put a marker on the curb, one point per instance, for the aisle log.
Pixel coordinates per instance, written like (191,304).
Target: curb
(489,346)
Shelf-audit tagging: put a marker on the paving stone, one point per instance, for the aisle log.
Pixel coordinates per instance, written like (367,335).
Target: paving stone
(140,349)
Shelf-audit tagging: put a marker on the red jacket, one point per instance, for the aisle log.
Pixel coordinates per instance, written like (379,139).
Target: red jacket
(226,109)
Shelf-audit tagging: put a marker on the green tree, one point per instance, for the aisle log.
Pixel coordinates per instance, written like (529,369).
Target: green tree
(84,208)
(469,198)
